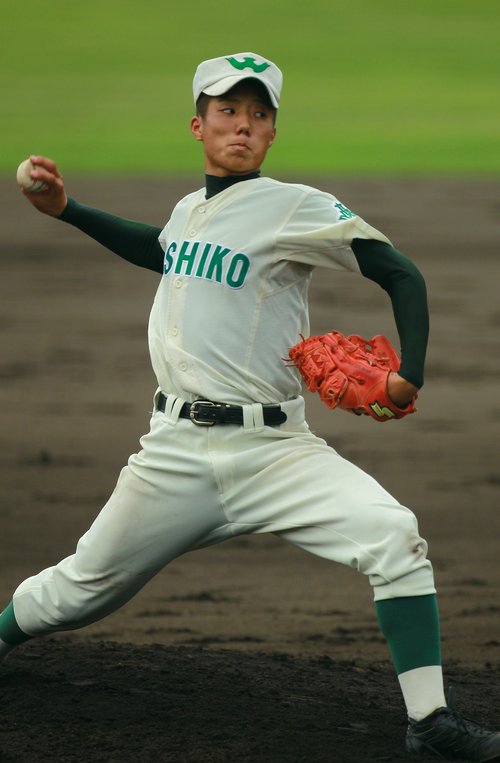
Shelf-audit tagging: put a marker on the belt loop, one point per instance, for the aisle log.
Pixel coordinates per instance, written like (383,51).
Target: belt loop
(253,417)
(173,407)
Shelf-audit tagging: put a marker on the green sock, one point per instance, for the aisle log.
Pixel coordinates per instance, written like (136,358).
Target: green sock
(10,632)
(411,627)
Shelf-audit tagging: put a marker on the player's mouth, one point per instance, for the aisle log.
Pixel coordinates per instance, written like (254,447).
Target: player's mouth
(241,146)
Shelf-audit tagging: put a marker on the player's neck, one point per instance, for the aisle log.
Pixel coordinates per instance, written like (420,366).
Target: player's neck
(214,184)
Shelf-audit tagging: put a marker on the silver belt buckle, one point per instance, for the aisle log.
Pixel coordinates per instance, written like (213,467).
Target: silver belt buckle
(194,409)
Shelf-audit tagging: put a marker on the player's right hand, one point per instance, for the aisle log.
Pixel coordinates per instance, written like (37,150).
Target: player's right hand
(51,200)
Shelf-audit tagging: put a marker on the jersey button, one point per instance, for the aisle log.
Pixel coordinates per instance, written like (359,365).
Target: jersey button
(183,366)
(175,331)
(201,210)
(178,283)
(192,232)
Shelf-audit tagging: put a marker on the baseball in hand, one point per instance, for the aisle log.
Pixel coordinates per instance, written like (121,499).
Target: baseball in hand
(25,180)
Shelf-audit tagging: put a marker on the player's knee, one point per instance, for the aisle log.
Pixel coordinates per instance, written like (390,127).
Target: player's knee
(395,550)
(409,536)
(402,526)
(405,553)
(404,543)
(87,598)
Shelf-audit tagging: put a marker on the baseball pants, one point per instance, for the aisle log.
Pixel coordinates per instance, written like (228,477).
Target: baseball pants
(193,486)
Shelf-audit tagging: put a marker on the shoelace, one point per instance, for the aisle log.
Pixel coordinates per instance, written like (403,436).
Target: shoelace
(465,725)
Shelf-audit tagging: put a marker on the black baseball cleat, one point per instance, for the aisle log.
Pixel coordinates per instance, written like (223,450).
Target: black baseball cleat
(446,735)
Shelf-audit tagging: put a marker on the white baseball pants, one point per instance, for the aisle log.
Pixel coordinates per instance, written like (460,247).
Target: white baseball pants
(192,486)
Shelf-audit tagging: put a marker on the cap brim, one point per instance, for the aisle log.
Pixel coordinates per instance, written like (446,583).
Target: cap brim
(223,85)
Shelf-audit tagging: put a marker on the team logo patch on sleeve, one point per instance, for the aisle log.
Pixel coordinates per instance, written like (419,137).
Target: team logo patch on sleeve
(344,212)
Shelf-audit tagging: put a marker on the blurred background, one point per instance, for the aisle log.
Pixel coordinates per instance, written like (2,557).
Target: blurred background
(384,87)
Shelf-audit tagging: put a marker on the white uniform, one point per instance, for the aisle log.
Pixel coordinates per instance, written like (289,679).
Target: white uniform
(234,299)
(231,302)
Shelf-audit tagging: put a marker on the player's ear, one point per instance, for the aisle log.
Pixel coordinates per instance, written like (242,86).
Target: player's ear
(197,127)
(273,136)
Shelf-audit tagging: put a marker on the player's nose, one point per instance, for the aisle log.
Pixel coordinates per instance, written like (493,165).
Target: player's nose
(243,125)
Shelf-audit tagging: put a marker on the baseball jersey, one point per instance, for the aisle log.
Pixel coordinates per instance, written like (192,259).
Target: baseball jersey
(233,296)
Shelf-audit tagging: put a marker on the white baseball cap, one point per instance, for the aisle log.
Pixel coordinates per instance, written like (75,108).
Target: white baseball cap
(218,75)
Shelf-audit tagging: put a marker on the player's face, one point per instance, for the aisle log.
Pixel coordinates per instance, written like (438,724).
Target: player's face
(237,131)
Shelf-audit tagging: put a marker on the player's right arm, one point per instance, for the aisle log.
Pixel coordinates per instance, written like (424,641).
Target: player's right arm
(134,241)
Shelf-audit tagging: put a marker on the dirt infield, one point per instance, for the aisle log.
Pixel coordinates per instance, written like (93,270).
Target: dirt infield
(252,650)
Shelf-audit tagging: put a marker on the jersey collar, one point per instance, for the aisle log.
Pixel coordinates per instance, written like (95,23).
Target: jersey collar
(215,184)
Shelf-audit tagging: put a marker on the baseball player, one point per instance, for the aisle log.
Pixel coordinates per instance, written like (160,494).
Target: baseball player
(228,450)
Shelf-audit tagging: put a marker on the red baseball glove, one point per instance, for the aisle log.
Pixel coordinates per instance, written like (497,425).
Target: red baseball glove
(351,373)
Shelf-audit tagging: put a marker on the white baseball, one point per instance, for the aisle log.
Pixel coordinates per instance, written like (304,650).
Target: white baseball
(26,181)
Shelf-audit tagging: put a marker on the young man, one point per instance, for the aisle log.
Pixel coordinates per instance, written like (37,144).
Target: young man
(228,444)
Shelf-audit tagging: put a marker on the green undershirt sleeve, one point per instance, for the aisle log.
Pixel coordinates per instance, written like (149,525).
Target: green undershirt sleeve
(405,285)
(135,242)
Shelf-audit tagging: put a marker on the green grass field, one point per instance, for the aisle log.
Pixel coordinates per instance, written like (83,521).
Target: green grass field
(371,88)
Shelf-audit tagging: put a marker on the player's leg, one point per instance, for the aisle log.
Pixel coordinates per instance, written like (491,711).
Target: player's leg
(372,533)
(295,485)
(302,490)
(164,504)
(324,504)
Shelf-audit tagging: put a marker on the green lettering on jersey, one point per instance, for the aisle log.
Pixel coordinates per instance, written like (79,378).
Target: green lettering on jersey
(237,270)
(211,262)
(215,266)
(169,260)
(187,257)
(202,262)
(248,63)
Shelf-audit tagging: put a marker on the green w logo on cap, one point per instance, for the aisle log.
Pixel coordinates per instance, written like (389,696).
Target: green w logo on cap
(248,63)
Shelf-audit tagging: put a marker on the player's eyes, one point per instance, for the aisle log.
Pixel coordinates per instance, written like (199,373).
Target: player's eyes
(231,110)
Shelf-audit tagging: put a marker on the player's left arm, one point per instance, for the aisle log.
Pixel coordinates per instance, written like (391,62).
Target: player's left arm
(405,285)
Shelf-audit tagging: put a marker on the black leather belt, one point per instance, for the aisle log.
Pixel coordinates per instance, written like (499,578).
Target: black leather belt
(206,413)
